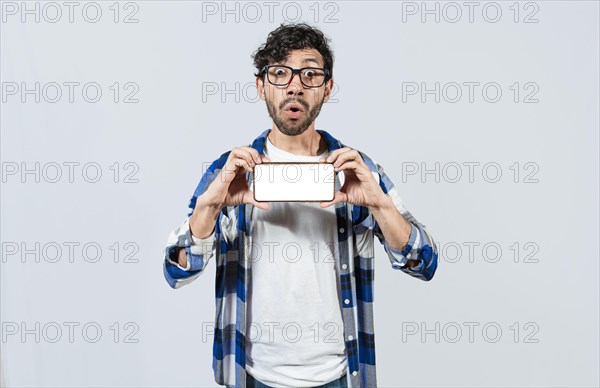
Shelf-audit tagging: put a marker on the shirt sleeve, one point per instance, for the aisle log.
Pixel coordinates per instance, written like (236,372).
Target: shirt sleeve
(198,251)
(420,247)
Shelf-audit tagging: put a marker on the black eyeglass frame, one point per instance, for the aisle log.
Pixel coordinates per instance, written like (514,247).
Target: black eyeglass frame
(294,72)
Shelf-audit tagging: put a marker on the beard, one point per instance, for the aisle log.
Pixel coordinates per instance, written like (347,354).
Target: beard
(294,127)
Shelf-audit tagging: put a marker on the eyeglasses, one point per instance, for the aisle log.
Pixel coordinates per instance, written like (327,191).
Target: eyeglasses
(311,77)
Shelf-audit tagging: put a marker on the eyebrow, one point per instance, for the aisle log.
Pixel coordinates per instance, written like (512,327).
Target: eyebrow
(311,60)
(305,60)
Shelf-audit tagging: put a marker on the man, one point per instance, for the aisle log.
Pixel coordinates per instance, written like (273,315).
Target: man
(301,317)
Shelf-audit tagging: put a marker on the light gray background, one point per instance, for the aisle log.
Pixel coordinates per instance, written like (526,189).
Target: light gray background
(172,135)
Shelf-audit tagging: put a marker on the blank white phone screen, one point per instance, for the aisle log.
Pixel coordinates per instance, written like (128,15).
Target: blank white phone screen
(294,182)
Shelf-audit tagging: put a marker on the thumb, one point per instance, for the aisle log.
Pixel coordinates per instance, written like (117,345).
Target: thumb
(260,205)
(337,198)
(249,198)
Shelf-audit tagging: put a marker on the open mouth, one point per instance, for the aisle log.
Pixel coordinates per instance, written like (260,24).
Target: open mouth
(294,107)
(294,110)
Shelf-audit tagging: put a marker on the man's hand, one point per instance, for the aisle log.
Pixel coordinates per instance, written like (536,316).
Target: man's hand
(230,187)
(360,187)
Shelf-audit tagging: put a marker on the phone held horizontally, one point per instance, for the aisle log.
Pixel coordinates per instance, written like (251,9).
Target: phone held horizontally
(294,182)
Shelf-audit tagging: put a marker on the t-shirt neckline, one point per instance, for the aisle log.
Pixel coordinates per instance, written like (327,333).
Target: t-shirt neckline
(278,153)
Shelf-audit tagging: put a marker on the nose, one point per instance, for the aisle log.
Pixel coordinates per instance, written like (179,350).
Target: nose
(295,87)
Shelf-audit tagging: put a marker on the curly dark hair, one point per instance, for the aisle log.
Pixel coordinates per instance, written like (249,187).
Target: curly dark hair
(294,36)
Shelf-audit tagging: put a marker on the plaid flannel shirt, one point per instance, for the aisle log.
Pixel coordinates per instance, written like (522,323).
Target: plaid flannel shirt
(230,242)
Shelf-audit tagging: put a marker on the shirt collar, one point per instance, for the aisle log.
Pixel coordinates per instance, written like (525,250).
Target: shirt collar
(332,143)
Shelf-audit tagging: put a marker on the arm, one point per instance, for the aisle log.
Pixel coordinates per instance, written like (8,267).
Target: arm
(187,253)
(186,256)
(408,244)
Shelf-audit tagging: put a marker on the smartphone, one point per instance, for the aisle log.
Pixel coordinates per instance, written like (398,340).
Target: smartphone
(293,182)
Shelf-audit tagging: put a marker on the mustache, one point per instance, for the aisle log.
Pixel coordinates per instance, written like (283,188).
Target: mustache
(290,100)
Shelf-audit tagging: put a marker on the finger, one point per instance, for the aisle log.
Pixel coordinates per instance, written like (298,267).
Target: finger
(350,155)
(251,153)
(231,170)
(362,172)
(228,172)
(338,197)
(251,200)
(237,165)
(260,205)
(335,153)
(244,154)
(246,166)
(248,198)
(347,165)
(254,153)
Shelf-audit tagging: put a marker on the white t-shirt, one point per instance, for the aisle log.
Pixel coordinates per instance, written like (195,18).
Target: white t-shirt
(295,332)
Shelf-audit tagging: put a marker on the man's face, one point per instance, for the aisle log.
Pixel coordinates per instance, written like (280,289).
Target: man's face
(294,108)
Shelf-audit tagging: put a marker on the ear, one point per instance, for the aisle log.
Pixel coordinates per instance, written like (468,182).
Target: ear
(260,87)
(328,90)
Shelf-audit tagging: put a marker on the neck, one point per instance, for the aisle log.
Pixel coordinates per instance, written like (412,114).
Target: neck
(309,143)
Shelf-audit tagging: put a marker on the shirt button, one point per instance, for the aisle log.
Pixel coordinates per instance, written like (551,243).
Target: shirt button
(347,301)
(354,373)
(350,338)
(342,230)
(187,242)
(344,266)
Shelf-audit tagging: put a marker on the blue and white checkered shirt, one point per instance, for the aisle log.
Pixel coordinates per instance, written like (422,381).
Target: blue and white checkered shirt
(229,243)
